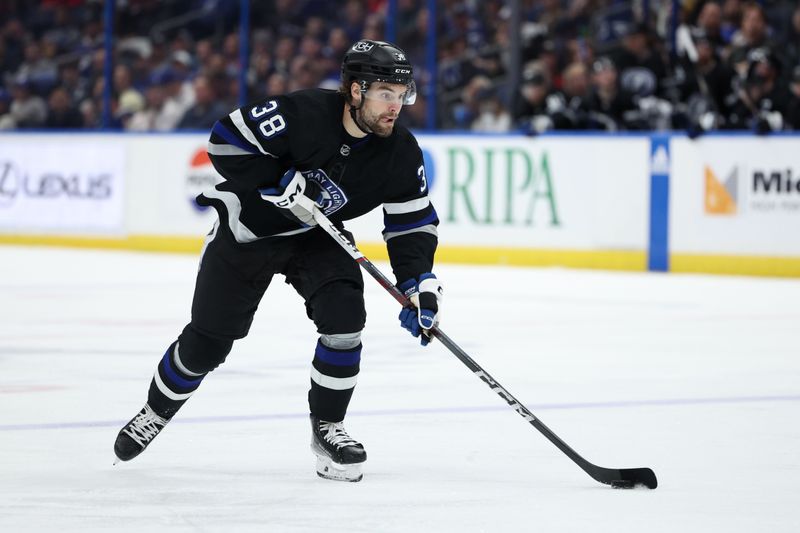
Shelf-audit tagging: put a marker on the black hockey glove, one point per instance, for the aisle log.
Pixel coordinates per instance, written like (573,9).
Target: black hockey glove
(426,295)
(295,196)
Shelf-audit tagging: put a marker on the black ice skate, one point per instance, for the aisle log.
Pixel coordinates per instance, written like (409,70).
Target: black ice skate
(138,433)
(339,456)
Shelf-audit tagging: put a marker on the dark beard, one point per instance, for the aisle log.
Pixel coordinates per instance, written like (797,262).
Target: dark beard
(372,123)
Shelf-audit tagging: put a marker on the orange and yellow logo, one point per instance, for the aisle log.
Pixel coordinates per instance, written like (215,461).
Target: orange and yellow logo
(721,196)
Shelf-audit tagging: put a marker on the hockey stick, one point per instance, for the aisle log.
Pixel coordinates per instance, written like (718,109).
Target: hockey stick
(618,478)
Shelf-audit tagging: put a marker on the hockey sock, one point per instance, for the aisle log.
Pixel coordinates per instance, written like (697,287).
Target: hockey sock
(172,383)
(333,377)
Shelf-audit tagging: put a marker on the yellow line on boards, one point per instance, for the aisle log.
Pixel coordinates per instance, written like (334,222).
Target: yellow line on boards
(602,259)
(475,255)
(736,264)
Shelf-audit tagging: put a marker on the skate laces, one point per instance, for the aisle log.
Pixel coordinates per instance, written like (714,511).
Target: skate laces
(335,433)
(145,426)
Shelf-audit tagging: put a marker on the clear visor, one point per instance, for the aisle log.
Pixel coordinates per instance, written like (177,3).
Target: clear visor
(392,93)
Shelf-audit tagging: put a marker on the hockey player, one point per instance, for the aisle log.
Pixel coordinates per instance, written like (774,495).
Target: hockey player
(344,151)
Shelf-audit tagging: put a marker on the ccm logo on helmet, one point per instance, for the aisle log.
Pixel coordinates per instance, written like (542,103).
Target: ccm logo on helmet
(402,71)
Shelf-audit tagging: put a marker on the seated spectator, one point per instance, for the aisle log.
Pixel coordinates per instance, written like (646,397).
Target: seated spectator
(277,84)
(465,111)
(793,108)
(6,122)
(792,52)
(761,101)
(123,86)
(706,86)
(145,119)
(709,20)
(493,117)
(752,34)
(608,103)
(129,104)
(176,101)
(530,108)
(641,68)
(568,108)
(206,109)
(62,114)
(26,110)
(40,71)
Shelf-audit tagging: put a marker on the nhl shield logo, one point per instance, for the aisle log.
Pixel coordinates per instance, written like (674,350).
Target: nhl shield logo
(363,46)
(333,197)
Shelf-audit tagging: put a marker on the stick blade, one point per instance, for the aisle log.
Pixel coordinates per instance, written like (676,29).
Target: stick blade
(628,478)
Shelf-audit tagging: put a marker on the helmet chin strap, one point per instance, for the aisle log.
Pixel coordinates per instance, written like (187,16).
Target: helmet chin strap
(353,109)
(365,129)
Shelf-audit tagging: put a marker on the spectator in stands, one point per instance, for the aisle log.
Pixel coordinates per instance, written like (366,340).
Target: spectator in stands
(206,110)
(123,87)
(752,34)
(353,23)
(277,84)
(284,53)
(641,67)
(608,104)
(145,118)
(705,86)
(62,114)
(12,38)
(493,117)
(568,108)
(40,71)
(731,20)
(90,113)
(467,109)
(792,50)
(530,109)
(709,20)
(333,51)
(6,122)
(179,96)
(27,110)
(793,107)
(762,100)
(128,105)
(72,81)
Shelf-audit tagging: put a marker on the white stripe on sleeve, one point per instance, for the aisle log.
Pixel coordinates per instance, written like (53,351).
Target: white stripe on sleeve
(407,207)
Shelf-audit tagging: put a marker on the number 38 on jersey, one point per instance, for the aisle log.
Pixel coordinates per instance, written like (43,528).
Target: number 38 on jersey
(272,123)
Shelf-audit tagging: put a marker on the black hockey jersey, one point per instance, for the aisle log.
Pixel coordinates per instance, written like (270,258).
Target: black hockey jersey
(255,145)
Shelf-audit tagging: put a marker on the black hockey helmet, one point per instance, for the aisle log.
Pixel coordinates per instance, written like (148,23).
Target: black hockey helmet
(370,61)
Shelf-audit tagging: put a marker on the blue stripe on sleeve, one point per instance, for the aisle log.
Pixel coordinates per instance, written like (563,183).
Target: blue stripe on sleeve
(430,219)
(226,134)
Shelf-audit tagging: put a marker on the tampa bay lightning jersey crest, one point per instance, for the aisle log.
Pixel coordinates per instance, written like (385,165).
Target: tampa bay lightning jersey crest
(333,197)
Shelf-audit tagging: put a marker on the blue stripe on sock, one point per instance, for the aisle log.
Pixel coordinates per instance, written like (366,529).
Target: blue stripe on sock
(173,376)
(337,357)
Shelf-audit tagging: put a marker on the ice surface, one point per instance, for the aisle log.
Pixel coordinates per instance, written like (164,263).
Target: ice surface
(697,377)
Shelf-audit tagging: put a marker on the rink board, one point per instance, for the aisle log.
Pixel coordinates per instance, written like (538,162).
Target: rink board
(730,206)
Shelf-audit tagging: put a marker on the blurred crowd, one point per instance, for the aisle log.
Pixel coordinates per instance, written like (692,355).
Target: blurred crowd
(583,64)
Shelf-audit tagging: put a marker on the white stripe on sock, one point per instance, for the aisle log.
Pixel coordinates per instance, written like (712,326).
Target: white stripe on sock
(166,391)
(332,383)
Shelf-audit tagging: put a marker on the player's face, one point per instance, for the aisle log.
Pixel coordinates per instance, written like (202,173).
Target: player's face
(381,107)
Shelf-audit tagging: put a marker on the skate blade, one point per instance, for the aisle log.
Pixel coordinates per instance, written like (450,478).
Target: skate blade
(328,469)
